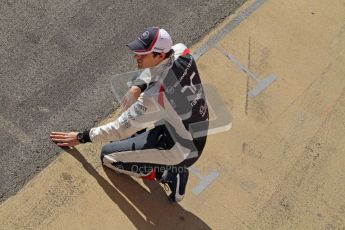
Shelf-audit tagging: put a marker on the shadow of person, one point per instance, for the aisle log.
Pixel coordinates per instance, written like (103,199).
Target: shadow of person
(146,209)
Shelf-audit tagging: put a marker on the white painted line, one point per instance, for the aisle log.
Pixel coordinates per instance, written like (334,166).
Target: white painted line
(226,29)
(242,67)
(205,181)
(261,85)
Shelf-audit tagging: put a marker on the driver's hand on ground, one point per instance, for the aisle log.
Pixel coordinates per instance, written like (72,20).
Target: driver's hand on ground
(65,139)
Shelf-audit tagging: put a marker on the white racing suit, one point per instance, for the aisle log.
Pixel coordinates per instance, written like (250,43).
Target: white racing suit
(171,113)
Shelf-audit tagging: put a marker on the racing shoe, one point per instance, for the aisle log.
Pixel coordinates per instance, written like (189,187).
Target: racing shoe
(177,183)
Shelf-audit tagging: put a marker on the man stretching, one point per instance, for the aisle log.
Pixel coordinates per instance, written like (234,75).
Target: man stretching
(164,128)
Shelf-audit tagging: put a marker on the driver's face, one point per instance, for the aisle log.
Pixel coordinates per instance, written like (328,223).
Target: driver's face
(147,60)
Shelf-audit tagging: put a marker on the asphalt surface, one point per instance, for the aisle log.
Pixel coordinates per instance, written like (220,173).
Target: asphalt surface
(56,61)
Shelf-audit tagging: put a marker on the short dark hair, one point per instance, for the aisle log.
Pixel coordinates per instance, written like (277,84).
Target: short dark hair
(166,54)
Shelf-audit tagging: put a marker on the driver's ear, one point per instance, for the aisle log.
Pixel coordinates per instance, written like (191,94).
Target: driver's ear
(162,55)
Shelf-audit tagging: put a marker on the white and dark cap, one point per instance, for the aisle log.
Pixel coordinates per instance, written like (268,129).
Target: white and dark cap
(153,39)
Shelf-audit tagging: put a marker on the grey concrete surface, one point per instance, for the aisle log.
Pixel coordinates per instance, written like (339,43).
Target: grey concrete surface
(56,61)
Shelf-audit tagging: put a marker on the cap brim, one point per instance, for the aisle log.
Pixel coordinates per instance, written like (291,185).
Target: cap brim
(136,46)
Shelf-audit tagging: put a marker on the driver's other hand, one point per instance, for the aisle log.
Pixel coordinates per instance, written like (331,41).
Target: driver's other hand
(130,97)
